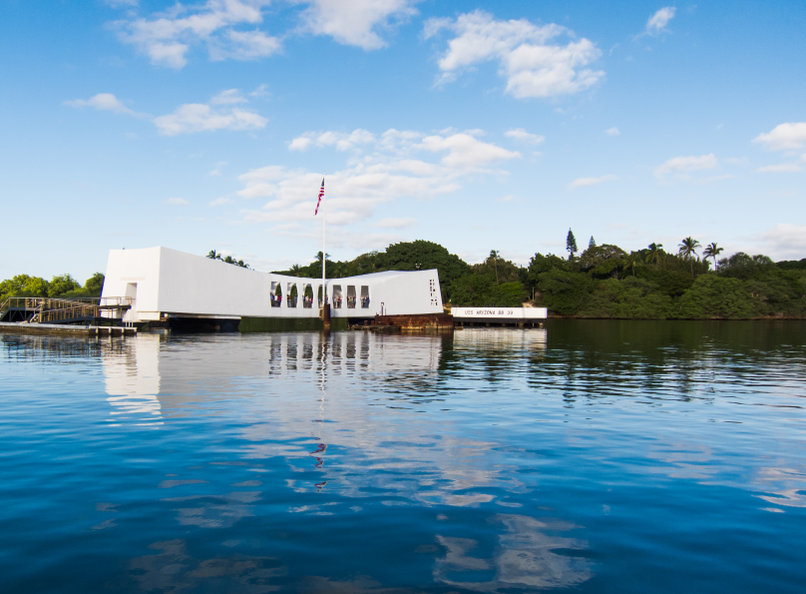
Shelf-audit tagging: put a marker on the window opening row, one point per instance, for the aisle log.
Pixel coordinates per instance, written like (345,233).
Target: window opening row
(292,296)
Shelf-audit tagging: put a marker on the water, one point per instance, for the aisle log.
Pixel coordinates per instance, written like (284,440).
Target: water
(591,457)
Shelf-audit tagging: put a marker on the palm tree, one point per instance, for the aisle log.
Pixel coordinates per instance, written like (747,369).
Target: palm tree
(494,258)
(655,255)
(688,249)
(712,251)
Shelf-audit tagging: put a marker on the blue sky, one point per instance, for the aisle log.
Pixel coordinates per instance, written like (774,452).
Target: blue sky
(478,125)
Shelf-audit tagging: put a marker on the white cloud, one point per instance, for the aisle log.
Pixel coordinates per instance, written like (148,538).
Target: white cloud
(791,135)
(167,37)
(261,91)
(592,181)
(658,21)
(221,201)
(228,97)
(220,114)
(613,131)
(177,202)
(216,171)
(380,168)
(244,45)
(354,22)
(340,140)
(533,59)
(682,166)
(466,151)
(201,117)
(522,135)
(104,102)
(781,168)
(784,242)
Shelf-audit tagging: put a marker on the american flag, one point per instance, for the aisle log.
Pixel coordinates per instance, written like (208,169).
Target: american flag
(321,195)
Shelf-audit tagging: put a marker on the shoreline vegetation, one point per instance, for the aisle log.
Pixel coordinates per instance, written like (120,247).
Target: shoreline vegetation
(603,281)
(600,282)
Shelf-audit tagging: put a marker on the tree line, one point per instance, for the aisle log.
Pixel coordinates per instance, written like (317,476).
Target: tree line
(62,286)
(603,281)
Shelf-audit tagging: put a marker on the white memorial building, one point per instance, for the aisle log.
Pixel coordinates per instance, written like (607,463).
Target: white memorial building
(162,284)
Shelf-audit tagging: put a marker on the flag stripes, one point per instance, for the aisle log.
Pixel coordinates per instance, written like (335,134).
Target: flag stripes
(321,195)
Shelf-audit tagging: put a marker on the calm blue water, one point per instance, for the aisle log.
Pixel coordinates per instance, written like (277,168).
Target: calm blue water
(592,457)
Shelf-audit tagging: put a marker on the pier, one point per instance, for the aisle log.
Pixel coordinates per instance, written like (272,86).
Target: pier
(74,317)
(519,317)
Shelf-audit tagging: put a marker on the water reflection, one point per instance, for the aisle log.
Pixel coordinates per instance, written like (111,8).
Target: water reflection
(132,378)
(173,569)
(529,554)
(486,460)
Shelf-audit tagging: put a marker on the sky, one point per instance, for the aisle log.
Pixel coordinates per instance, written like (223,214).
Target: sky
(478,125)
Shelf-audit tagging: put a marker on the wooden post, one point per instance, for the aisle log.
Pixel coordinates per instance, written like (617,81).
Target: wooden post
(326,317)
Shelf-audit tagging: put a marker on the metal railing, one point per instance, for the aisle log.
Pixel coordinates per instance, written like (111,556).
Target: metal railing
(53,310)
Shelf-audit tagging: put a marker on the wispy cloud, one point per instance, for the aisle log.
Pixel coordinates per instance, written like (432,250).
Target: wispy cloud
(235,29)
(784,241)
(218,25)
(356,22)
(535,60)
(459,149)
(522,135)
(791,135)
(216,171)
(380,168)
(105,102)
(583,182)
(466,151)
(613,131)
(781,168)
(340,140)
(223,112)
(684,166)
(177,202)
(658,22)
(201,117)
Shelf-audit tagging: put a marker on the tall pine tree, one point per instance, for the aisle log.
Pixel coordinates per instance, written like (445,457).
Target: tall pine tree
(571,244)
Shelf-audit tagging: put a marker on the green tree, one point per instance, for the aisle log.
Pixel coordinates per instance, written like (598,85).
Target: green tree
(425,255)
(565,292)
(655,254)
(62,286)
(713,296)
(570,244)
(712,250)
(604,261)
(94,285)
(494,258)
(23,285)
(688,250)
(214,255)
(631,298)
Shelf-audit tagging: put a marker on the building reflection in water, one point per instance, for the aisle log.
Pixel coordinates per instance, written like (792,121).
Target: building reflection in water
(133,381)
(301,397)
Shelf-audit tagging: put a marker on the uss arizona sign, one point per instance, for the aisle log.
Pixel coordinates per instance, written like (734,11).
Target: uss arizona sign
(520,316)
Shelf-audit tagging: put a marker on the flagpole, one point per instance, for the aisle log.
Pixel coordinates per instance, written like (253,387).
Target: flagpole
(325,304)
(324,254)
